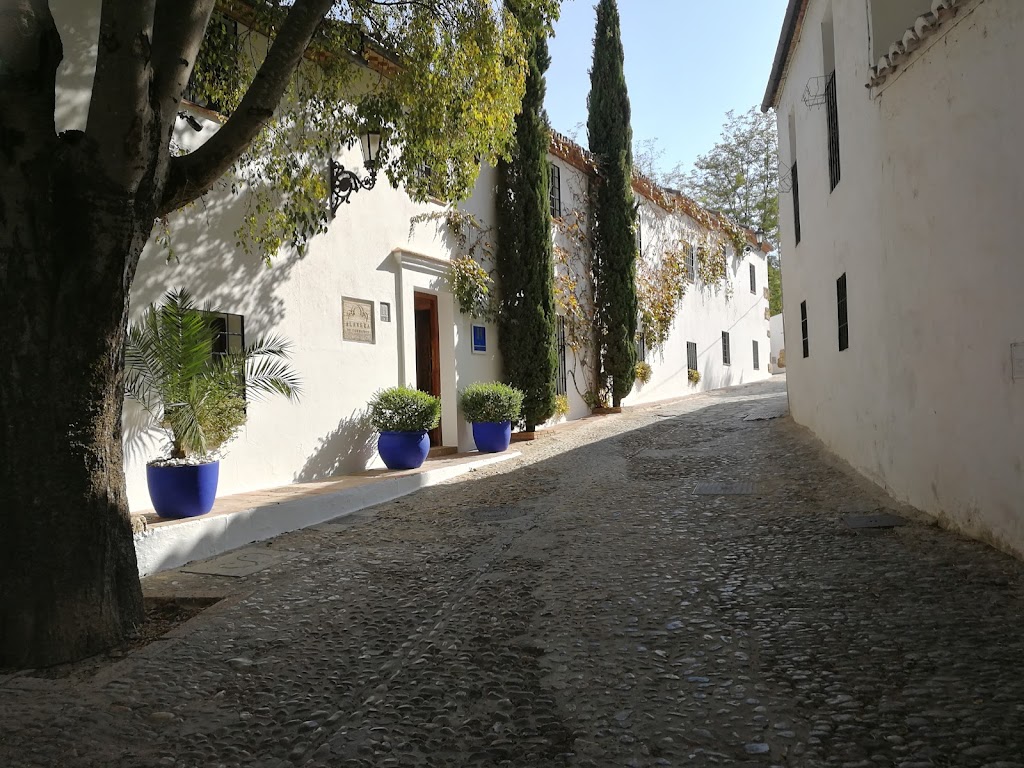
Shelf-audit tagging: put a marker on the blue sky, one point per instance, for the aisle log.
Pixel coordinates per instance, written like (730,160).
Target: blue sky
(687,63)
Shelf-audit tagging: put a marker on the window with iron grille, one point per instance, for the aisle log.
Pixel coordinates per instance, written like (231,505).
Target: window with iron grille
(803,328)
(228,338)
(832,111)
(555,190)
(690,255)
(562,383)
(641,348)
(753,279)
(757,357)
(796,204)
(228,333)
(691,356)
(844,331)
(726,355)
(639,235)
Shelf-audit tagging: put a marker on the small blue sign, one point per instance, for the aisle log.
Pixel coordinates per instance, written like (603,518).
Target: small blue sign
(479,339)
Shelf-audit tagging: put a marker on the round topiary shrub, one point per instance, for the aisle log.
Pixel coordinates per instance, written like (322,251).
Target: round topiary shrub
(404,409)
(492,402)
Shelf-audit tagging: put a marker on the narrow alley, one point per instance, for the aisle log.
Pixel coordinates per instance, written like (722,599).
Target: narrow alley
(584,608)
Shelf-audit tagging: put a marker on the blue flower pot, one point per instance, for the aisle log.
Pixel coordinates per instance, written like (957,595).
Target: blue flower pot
(403,450)
(492,436)
(183,491)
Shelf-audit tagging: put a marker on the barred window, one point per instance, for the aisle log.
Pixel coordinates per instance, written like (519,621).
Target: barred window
(562,383)
(555,190)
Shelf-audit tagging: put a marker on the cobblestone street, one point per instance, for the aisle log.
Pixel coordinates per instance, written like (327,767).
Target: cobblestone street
(579,606)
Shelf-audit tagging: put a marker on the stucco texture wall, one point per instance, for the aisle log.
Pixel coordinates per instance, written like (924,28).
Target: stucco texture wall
(924,224)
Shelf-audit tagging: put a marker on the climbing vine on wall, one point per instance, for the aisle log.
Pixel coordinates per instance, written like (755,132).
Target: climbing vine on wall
(660,286)
(470,274)
(574,297)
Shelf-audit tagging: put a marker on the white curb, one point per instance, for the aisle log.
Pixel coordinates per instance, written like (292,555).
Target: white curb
(169,546)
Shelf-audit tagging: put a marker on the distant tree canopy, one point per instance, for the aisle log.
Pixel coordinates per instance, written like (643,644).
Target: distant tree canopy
(739,176)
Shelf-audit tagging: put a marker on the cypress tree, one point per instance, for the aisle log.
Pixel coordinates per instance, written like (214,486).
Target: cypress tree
(615,252)
(525,265)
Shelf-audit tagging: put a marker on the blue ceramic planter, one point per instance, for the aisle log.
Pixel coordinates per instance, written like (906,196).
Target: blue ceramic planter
(492,436)
(183,491)
(403,450)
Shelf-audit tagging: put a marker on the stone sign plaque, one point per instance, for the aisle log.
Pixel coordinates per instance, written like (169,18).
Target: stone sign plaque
(357,320)
(1017,360)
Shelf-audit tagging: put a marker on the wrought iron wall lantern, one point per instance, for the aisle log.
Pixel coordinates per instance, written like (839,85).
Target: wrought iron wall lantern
(344,181)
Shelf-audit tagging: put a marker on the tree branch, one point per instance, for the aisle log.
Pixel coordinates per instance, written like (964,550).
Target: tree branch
(120,111)
(178,31)
(30,52)
(193,174)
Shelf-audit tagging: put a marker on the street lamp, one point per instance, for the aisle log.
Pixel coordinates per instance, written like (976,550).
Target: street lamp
(344,182)
(759,237)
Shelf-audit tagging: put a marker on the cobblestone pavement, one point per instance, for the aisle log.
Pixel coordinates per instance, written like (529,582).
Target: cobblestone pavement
(585,608)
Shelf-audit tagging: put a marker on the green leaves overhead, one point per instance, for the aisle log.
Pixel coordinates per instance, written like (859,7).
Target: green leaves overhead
(442,79)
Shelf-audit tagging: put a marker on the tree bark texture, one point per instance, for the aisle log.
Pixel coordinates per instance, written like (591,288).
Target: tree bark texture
(68,247)
(76,210)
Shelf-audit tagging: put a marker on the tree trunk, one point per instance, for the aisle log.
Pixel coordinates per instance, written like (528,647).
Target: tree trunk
(68,577)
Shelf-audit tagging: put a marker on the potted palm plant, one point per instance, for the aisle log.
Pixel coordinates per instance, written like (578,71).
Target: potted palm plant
(197,397)
(491,407)
(404,416)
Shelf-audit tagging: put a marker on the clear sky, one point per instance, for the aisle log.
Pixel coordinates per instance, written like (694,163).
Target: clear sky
(687,63)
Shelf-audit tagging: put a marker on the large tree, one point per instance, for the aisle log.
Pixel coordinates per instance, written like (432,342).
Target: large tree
(78,206)
(615,250)
(739,176)
(525,261)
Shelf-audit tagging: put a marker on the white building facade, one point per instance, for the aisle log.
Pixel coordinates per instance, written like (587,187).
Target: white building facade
(369,306)
(898,135)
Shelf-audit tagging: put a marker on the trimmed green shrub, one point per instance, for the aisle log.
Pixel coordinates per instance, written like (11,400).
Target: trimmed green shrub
(491,401)
(404,409)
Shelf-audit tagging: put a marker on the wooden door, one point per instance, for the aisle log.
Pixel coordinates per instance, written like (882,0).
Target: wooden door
(428,358)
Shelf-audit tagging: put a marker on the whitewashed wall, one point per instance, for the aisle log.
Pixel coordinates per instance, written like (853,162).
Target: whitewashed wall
(925,224)
(778,337)
(704,313)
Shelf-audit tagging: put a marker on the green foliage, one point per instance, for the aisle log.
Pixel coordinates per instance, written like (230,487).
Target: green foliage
(449,104)
(404,409)
(471,286)
(693,376)
(611,138)
(574,294)
(524,259)
(774,288)
(642,372)
(491,401)
(740,175)
(196,396)
(561,406)
(661,285)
